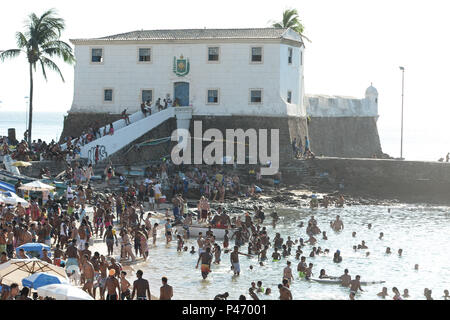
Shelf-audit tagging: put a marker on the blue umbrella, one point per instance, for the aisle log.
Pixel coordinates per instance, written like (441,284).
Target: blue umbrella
(34,249)
(40,279)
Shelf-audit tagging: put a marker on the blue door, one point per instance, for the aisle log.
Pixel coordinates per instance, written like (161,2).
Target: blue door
(181,92)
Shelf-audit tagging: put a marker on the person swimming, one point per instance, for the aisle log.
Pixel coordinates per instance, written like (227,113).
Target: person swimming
(323,274)
(276,256)
(260,288)
(363,245)
(388,250)
(337,257)
(383,293)
(406,293)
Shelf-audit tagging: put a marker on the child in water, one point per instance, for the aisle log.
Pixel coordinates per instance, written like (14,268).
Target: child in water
(276,255)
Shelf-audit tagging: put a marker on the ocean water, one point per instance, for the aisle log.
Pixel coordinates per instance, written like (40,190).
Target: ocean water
(421,231)
(46,125)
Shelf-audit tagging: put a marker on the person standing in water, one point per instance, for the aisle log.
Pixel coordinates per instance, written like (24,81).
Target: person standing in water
(141,287)
(234,259)
(338,225)
(345,279)
(355,285)
(205,258)
(287,272)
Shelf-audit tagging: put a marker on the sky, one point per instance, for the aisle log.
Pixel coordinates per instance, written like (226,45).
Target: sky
(354,43)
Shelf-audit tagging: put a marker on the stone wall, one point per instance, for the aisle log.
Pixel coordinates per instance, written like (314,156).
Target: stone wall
(344,137)
(289,128)
(407,181)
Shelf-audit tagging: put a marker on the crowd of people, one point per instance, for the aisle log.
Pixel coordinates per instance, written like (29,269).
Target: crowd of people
(39,150)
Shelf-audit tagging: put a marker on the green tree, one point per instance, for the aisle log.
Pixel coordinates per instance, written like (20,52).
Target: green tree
(39,42)
(291,20)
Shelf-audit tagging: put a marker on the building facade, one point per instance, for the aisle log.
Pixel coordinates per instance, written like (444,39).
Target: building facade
(216,71)
(226,78)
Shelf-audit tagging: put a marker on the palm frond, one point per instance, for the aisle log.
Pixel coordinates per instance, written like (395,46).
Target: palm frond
(9,54)
(21,40)
(60,49)
(51,65)
(43,69)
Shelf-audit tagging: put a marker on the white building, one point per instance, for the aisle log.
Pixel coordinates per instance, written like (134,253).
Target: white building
(216,71)
(227,78)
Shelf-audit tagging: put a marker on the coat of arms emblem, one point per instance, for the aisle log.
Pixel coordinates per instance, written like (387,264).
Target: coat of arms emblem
(181,66)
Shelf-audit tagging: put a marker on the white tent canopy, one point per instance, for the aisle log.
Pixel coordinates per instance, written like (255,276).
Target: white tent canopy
(63,292)
(36,186)
(12,199)
(15,270)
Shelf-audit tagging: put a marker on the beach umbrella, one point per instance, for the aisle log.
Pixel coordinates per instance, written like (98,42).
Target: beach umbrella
(14,270)
(36,186)
(41,279)
(13,199)
(21,164)
(34,248)
(63,292)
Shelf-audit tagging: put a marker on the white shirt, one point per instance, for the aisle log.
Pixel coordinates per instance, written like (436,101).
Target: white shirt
(69,193)
(158,188)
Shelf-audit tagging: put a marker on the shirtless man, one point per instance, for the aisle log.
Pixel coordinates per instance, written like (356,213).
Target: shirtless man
(285,293)
(112,286)
(234,259)
(338,225)
(206,258)
(88,270)
(355,285)
(124,287)
(201,243)
(72,255)
(287,272)
(166,291)
(345,279)
(101,282)
(141,288)
(301,267)
(383,293)
(109,236)
(309,271)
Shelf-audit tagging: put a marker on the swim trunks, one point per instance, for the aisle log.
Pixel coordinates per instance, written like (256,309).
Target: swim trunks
(111,297)
(301,274)
(236,267)
(205,268)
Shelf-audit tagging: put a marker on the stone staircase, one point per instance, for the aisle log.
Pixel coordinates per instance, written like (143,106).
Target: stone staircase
(126,134)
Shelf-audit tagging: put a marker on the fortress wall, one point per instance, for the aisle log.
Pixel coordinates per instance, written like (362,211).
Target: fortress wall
(344,137)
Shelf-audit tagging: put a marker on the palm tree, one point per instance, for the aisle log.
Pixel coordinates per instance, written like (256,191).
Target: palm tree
(291,20)
(40,42)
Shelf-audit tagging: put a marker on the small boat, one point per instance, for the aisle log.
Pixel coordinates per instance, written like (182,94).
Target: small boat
(13,178)
(195,229)
(338,281)
(127,262)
